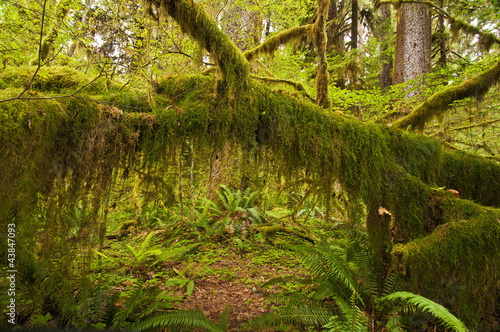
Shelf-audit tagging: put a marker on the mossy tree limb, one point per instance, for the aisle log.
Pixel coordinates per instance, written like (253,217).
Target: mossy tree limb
(439,102)
(295,84)
(486,39)
(68,152)
(282,38)
(195,21)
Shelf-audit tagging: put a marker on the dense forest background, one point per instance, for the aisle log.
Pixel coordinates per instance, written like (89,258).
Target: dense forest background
(244,165)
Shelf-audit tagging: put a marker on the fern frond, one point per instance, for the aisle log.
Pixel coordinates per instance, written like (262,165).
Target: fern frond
(431,307)
(146,243)
(303,315)
(179,318)
(132,252)
(226,197)
(329,262)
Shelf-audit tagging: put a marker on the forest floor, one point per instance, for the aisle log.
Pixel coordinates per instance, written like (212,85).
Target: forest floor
(223,275)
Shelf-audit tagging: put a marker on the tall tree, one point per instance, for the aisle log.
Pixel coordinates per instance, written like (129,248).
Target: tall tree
(413,44)
(383,29)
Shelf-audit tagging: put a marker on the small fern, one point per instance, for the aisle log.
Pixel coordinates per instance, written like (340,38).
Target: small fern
(431,307)
(179,318)
(300,314)
(353,319)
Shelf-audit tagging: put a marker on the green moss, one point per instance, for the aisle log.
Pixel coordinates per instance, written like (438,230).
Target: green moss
(58,79)
(70,153)
(459,261)
(475,178)
(271,231)
(193,20)
(486,39)
(420,156)
(439,102)
(282,38)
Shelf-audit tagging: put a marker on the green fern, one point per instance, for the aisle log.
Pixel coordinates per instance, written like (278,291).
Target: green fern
(353,319)
(298,314)
(145,251)
(328,262)
(179,318)
(431,307)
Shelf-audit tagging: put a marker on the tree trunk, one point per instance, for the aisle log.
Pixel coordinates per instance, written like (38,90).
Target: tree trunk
(413,43)
(320,42)
(385,78)
(442,38)
(354,24)
(335,37)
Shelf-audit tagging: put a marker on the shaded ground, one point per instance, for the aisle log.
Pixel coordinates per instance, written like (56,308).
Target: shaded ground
(236,280)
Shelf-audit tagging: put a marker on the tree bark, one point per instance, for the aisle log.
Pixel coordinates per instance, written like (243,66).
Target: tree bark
(320,42)
(442,38)
(413,43)
(385,78)
(354,24)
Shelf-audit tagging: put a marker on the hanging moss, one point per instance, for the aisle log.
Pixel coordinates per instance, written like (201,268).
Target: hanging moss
(61,10)
(486,39)
(439,102)
(320,39)
(282,38)
(420,156)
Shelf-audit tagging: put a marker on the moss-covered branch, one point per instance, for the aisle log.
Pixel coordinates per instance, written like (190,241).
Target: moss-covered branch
(282,38)
(439,102)
(486,39)
(451,256)
(481,124)
(58,152)
(295,84)
(195,21)
(270,231)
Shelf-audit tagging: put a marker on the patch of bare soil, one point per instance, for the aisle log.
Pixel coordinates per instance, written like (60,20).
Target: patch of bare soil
(214,292)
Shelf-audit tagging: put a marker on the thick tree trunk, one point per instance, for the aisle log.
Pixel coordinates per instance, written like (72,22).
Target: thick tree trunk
(354,24)
(413,44)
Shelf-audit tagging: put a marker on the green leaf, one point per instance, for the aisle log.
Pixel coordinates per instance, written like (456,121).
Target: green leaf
(190,288)
(431,307)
